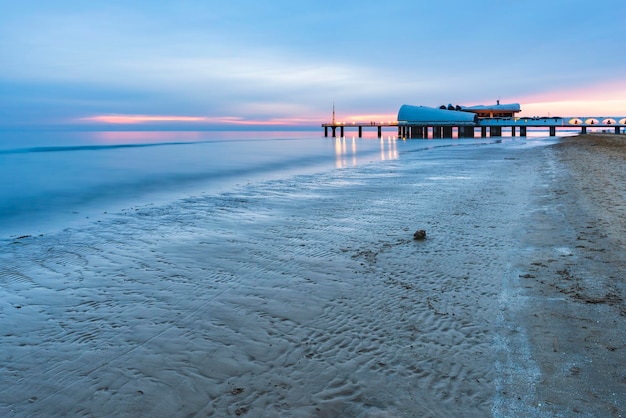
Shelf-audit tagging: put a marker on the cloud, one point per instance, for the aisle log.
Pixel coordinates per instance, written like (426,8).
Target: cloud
(594,99)
(285,61)
(136,119)
(120,119)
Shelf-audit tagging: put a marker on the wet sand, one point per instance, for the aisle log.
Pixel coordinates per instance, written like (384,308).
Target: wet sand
(574,279)
(309,297)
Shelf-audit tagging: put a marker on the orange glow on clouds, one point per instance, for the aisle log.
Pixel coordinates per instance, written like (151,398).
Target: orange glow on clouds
(224,120)
(596,100)
(134,119)
(380,117)
(576,108)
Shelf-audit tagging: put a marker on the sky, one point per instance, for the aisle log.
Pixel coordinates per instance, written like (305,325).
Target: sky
(249,64)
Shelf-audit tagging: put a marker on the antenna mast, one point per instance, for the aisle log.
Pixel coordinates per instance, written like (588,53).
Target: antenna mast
(333,112)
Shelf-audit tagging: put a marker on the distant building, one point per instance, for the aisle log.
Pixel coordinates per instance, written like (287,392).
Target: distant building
(493,111)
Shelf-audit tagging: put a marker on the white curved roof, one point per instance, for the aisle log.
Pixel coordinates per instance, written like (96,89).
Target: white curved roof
(423,115)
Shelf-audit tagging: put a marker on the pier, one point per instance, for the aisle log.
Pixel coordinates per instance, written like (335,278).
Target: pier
(446,121)
(483,127)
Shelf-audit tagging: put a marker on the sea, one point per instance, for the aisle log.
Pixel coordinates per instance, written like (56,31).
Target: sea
(49,179)
(266,274)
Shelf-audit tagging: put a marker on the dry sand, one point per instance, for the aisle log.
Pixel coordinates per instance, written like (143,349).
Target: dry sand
(574,275)
(309,297)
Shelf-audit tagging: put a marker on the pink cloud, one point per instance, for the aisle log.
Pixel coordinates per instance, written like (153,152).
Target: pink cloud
(595,100)
(356,118)
(222,120)
(135,119)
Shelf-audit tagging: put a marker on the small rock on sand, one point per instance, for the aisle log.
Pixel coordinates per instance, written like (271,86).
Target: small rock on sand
(420,234)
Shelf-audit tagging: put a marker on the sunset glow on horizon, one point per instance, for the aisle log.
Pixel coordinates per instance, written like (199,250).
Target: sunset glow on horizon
(226,120)
(137,119)
(600,99)
(571,108)
(360,118)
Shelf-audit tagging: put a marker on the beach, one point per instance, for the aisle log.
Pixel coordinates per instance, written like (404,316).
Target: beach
(574,278)
(307,296)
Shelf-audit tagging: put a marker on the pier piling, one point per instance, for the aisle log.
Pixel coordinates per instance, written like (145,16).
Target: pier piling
(495,131)
(522,131)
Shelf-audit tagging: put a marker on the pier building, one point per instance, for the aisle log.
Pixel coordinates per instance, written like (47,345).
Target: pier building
(493,111)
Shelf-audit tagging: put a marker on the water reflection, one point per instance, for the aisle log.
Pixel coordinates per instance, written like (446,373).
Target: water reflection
(346,150)
(388,145)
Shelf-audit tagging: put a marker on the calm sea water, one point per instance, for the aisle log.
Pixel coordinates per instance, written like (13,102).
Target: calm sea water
(49,179)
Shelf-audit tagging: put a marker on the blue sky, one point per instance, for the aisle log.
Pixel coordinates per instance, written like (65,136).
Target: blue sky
(241,63)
